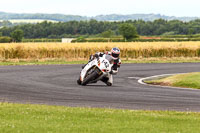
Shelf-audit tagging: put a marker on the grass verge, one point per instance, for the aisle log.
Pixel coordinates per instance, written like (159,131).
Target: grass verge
(163,60)
(26,118)
(190,80)
(46,62)
(83,61)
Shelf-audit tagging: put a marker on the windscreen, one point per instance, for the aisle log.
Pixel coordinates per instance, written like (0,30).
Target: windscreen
(109,58)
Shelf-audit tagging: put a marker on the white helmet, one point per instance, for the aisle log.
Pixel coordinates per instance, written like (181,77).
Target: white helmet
(115,52)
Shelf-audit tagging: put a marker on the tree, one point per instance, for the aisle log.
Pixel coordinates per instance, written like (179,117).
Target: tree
(190,31)
(17,35)
(128,31)
(1,34)
(107,34)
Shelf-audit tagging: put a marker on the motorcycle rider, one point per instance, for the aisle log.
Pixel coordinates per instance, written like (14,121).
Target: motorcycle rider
(114,53)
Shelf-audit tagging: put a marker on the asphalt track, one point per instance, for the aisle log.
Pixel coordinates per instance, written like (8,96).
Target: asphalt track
(56,85)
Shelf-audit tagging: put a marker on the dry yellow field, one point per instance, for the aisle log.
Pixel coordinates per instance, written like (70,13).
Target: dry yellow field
(130,50)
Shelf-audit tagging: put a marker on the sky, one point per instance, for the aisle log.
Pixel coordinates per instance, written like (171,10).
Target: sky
(178,8)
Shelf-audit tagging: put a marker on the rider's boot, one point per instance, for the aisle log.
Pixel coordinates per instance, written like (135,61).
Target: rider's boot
(109,84)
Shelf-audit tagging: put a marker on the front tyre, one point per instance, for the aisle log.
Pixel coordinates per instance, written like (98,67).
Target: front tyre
(89,78)
(79,81)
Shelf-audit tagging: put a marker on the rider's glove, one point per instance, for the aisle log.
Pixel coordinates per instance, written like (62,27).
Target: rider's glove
(119,63)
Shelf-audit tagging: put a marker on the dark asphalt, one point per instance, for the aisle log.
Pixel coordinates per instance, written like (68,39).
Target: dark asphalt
(56,85)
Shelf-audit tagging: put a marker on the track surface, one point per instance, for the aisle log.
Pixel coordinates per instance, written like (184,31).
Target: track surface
(56,85)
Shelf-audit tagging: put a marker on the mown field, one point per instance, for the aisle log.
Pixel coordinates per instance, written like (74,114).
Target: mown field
(80,51)
(19,118)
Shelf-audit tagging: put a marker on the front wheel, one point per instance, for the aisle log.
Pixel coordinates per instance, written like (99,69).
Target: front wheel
(79,81)
(89,78)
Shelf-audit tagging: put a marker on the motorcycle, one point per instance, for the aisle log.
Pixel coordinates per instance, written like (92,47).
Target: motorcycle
(96,70)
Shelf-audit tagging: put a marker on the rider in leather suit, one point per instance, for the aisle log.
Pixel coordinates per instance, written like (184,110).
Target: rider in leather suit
(114,53)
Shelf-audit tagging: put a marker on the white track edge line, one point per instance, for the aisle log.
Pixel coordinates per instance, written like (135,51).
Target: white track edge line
(141,81)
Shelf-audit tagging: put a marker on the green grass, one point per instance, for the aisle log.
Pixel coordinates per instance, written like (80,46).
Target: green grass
(19,118)
(6,63)
(190,80)
(160,61)
(124,61)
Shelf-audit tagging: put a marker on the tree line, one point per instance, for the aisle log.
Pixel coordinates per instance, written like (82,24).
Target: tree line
(103,28)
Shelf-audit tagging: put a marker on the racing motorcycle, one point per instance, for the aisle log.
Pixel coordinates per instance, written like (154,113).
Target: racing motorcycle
(96,70)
